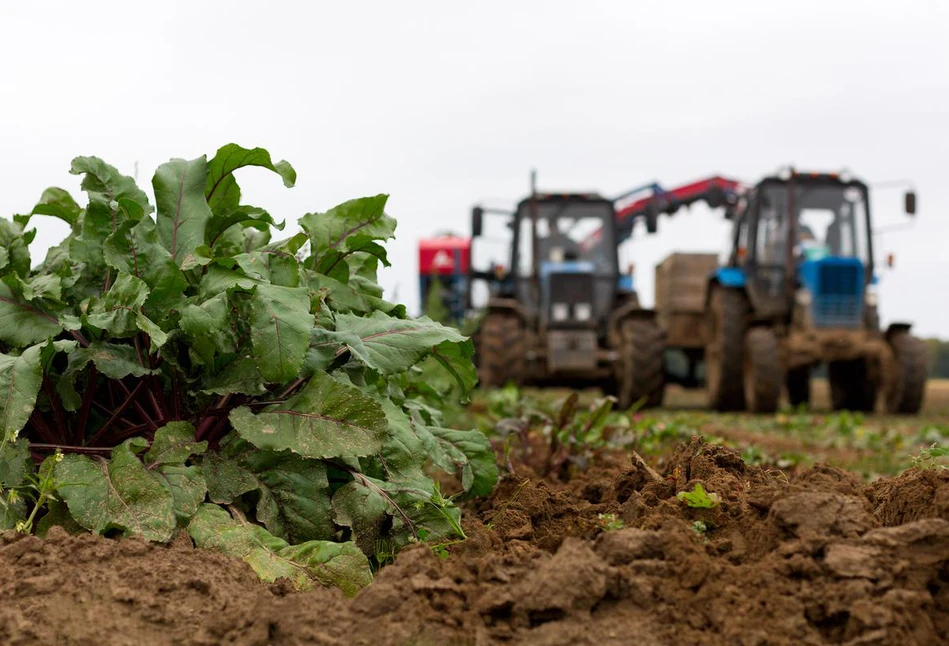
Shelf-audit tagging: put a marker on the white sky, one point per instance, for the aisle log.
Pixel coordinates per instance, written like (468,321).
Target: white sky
(443,105)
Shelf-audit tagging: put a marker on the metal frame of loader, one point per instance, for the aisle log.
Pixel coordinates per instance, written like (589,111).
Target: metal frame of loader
(768,323)
(564,323)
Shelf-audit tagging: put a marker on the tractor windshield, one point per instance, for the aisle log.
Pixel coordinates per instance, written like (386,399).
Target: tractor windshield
(831,221)
(567,231)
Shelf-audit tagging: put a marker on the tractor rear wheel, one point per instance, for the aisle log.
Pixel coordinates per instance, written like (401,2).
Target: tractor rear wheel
(641,370)
(725,349)
(908,388)
(762,371)
(852,386)
(502,351)
(799,387)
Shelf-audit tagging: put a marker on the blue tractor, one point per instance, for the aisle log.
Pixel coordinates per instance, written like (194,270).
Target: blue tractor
(561,312)
(798,289)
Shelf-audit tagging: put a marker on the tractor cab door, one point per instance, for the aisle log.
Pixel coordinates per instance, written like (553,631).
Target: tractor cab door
(766,266)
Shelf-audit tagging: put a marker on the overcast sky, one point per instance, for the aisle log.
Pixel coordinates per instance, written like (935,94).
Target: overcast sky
(443,104)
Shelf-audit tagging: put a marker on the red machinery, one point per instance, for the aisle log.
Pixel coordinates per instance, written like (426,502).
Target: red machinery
(444,262)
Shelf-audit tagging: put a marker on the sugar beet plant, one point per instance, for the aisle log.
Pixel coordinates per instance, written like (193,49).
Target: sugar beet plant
(172,366)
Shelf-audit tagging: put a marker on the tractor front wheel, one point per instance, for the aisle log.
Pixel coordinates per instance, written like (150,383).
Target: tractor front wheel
(726,321)
(502,350)
(907,386)
(641,371)
(762,371)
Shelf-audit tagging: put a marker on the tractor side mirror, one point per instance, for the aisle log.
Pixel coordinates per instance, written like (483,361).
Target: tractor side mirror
(652,218)
(477,221)
(910,202)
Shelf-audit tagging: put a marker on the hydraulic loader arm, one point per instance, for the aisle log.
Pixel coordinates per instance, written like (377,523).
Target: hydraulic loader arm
(716,191)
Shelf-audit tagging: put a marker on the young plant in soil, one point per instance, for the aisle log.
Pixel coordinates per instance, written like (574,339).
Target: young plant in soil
(171,365)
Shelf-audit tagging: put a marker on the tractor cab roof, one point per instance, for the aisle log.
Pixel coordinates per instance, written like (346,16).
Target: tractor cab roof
(813,178)
(566,197)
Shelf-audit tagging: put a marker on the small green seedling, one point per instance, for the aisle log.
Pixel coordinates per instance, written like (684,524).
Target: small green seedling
(928,458)
(610,522)
(700,528)
(698,497)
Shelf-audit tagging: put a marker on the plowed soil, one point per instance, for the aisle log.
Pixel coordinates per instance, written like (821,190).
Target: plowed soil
(817,558)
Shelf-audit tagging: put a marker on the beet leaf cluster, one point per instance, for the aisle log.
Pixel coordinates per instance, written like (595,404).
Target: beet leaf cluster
(176,365)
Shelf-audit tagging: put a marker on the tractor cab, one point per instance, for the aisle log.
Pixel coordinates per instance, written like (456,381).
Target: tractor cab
(561,312)
(804,242)
(564,259)
(797,291)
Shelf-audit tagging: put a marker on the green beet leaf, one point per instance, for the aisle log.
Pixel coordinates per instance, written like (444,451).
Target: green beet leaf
(458,361)
(227,478)
(326,419)
(221,189)
(294,498)
(173,446)
(57,515)
(466,452)
(15,463)
(174,443)
(57,203)
(136,250)
(117,494)
(355,220)
(36,288)
(385,344)
(183,212)
(306,565)
(23,323)
(187,487)
(113,360)
(208,328)
(20,379)
(15,254)
(241,376)
(281,324)
(396,512)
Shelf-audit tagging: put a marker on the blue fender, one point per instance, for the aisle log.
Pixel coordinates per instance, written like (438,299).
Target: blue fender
(730,276)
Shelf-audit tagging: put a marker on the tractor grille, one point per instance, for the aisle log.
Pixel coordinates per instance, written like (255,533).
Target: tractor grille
(571,288)
(838,301)
(568,290)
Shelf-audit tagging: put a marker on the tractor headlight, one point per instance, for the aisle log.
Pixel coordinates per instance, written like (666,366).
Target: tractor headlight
(803,297)
(559,311)
(582,311)
(871,298)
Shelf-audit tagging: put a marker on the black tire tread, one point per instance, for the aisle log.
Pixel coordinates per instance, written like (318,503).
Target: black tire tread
(764,370)
(642,364)
(503,350)
(912,363)
(730,394)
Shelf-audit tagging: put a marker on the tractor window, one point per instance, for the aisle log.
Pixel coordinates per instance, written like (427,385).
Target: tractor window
(568,231)
(771,233)
(736,248)
(831,221)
